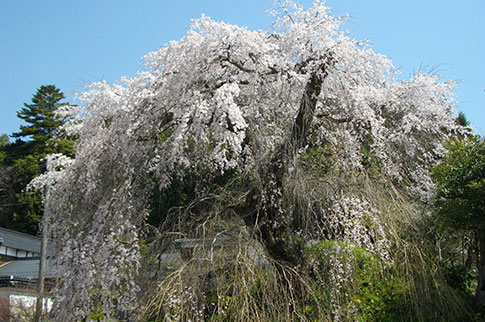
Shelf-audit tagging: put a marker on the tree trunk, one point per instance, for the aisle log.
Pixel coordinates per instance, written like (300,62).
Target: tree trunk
(480,294)
(275,223)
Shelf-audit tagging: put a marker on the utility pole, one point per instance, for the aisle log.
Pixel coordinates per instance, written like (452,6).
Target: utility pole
(40,295)
(43,256)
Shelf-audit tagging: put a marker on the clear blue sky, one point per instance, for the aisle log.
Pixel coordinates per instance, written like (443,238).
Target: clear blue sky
(72,43)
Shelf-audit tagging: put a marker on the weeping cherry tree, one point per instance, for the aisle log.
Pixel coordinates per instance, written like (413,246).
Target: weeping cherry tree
(224,98)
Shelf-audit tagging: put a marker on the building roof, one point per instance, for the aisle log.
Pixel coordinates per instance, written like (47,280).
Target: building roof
(18,240)
(25,269)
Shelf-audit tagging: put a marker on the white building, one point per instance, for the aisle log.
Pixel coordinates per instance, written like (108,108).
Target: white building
(19,275)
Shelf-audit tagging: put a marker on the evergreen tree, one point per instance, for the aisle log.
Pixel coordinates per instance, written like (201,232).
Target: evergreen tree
(4,140)
(462,120)
(460,181)
(25,158)
(42,123)
(7,194)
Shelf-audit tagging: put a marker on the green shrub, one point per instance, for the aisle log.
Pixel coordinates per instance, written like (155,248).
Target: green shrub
(365,289)
(461,278)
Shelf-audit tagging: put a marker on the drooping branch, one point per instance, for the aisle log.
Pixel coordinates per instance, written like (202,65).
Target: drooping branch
(240,64)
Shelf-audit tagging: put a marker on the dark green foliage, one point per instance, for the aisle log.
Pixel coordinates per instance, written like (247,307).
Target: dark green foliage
(7,195)
(179,193)
(182,191)
(25,158)
(460,202)
(4,141)
(462,120)
(460,180)
(39,116)
(461,278)
(8,199)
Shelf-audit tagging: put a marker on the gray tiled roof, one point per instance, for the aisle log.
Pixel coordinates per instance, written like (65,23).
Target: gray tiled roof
(15,239)
(25,269)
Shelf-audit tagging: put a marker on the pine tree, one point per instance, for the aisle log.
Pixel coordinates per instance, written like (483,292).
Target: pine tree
(41,119)
(462,120)
(26,156)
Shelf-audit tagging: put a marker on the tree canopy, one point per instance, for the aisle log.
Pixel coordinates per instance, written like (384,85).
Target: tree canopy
(460,180)
(24,159)
(40,115)
(256,104)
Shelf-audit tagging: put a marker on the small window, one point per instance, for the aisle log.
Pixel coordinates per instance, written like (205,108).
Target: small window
(21,253)
(11,251)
